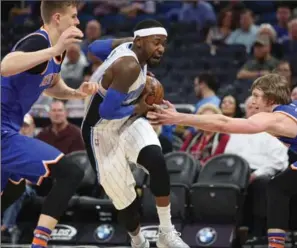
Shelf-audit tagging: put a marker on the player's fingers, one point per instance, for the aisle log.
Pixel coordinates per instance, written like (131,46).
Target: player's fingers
(154,123)
(168,104)
(151,115)
(158,108)
(73,40)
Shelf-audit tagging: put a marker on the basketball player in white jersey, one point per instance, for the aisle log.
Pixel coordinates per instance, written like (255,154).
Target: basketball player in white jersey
(116,135)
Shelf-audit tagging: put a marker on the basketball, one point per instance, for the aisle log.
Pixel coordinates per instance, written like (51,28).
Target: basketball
(157,92)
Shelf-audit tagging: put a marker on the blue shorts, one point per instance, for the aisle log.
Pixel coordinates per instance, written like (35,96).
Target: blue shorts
(25,158)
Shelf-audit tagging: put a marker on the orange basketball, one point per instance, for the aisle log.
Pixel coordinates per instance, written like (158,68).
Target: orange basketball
(156,90)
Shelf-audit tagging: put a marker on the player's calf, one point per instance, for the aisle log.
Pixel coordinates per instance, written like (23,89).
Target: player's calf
(130,219)
(152,158)
(67,177)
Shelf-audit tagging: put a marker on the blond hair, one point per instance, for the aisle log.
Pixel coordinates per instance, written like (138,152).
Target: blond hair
(210,107)
(48,8)
(275,88)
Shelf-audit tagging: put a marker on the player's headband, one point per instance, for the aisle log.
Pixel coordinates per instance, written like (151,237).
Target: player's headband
(150,31)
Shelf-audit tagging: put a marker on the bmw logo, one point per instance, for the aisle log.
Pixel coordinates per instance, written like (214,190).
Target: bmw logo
(104,232)
(206,236)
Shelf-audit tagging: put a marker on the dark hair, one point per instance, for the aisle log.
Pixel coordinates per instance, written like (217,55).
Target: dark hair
(149,23)
(238,111)
(284,5)
(210,80)
(222,15)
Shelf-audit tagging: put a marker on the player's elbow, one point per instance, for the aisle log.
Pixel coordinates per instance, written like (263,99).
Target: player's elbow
(5,72)
(105,113)
(8,65)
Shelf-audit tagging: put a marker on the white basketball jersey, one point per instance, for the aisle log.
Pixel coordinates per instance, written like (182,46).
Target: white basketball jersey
(134,91)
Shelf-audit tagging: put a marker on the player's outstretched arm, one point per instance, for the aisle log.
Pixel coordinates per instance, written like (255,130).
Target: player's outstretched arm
(21,61)
(215,123)
(61,91)
(102,48)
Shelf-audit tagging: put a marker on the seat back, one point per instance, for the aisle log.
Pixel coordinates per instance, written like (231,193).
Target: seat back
(182,167)
(226,168)
(89,179)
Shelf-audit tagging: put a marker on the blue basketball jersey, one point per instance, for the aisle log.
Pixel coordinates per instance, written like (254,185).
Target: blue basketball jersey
(19,92)
(291,111)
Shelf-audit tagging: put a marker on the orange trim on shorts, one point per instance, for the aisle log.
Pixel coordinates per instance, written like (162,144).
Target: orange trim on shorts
(16,182)
(46,163)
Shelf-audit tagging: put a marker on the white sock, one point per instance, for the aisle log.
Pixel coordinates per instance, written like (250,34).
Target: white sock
(164,214)
(137,239)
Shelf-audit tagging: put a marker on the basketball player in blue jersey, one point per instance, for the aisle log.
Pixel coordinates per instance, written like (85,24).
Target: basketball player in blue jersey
(278,116)
(30,69)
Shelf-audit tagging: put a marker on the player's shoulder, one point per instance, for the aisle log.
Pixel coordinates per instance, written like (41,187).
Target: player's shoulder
(36,40)
(290,108)
(126,63)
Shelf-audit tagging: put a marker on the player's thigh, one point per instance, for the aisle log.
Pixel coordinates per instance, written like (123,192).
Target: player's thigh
(27,157)
(115,175)
(139,135)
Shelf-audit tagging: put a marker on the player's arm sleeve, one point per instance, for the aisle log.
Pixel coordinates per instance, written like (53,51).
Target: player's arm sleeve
(101,48)
(34,43)
(126,70)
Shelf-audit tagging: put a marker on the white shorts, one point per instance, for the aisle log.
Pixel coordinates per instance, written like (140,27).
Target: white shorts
(114,152)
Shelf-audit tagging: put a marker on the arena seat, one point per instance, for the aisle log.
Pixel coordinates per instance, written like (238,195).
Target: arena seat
(183,170)
(217,196)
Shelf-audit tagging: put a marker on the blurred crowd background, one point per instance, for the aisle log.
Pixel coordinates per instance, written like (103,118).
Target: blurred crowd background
(215,50)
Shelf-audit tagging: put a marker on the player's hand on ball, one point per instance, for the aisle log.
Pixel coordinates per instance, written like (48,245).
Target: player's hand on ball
(142,107)
(69,36)
(163,116)
(87,88)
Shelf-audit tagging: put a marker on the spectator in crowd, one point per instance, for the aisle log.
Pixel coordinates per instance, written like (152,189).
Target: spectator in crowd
(218,34)
(28,127)
(106,7)
(9,229)
(230,106)
(205,86)
(293,30)
(166,144)
(61,134)
(267,29)
(262,63)
(246,34)
(284,69)
(276,48)
(203,145)
(198,11)
(92,33)
(283,15)
(266,156)
(134,8)
(73,66)
(294,94)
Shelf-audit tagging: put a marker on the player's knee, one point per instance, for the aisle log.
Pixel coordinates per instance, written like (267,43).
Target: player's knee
(67,170)
(129,216)
(152,159)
